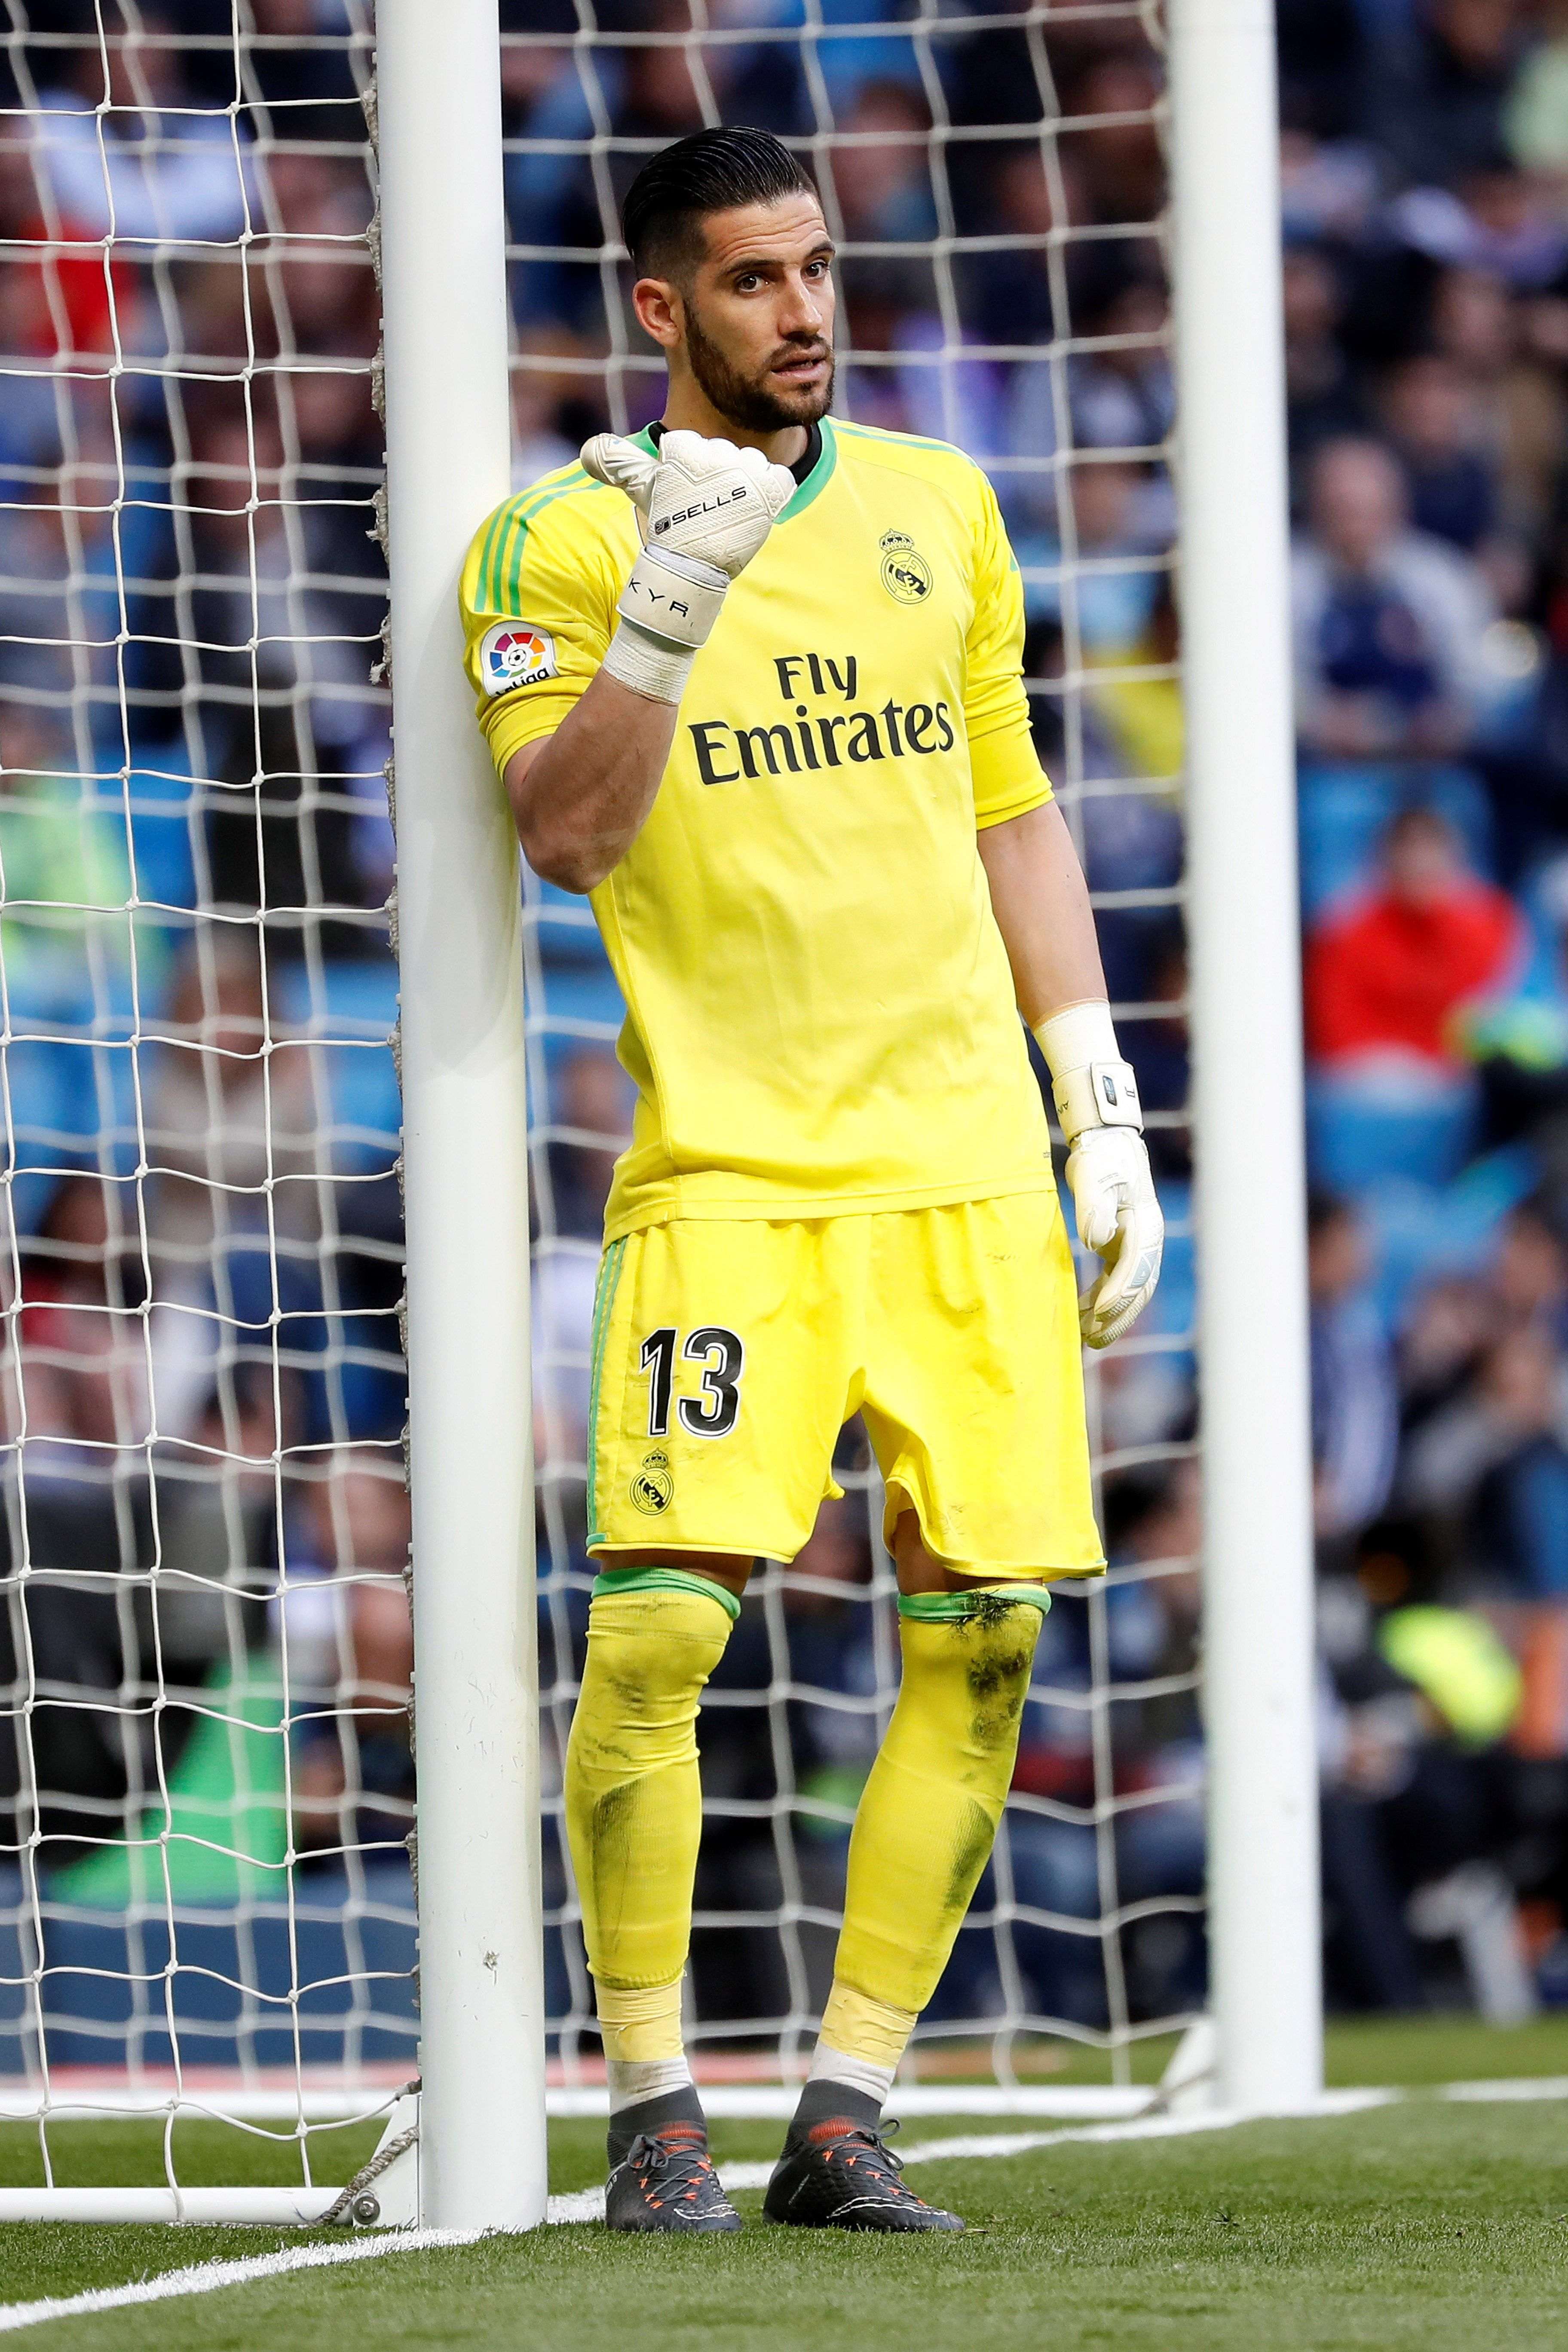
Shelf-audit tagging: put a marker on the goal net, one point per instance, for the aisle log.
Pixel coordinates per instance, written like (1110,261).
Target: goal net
(206,1773)
(206,1781)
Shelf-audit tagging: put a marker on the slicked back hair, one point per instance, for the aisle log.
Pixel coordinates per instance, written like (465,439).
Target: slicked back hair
(711,172)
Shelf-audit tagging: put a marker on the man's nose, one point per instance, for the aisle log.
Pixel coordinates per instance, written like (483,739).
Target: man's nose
(802,310)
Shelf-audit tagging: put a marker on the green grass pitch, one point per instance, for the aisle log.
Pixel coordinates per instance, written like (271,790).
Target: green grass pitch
(1426,2224)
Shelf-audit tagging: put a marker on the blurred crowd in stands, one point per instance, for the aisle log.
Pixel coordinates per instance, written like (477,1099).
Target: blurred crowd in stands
(191,597)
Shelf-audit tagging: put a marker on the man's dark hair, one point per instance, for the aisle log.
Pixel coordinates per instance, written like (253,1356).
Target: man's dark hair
(711,172)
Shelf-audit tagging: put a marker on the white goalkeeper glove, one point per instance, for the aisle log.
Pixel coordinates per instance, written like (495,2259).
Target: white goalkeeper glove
(1119,1218)
(704,508)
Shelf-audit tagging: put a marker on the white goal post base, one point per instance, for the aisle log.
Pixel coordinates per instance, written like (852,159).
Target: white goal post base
(262,2209)
(387,2194)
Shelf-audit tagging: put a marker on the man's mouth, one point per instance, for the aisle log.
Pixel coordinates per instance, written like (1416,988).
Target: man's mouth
(800,367)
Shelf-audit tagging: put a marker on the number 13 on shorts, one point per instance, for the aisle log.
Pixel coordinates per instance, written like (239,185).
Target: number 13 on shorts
(714,1411)
(674,1396)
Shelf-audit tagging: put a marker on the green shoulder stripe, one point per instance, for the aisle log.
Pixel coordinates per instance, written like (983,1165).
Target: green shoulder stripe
(497,524)
(502,553)
(903,440)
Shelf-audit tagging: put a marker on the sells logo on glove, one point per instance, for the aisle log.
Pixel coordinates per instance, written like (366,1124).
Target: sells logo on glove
(701,506)
(514,654)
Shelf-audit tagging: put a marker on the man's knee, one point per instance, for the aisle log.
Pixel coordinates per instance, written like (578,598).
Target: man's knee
(968,1658)
(723,1568)
(655,1635)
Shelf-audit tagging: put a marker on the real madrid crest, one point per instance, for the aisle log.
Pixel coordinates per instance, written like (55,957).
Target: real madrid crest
(653,1488)
(906,574)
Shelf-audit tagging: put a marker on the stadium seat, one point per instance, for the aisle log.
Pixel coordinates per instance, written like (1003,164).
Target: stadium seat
(1420,1233)
(1343,811)
(351,1005)
(161,826)
(1359,1135)
(16,1966)
(564,925)
(577,1003)
(99,1962)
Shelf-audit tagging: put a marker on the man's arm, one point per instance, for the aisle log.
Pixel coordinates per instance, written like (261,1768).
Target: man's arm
(580,797)
(1040,900)
(1041,904)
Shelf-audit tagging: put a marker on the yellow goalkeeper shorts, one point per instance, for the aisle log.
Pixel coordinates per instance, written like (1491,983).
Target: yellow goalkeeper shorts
(727,1356)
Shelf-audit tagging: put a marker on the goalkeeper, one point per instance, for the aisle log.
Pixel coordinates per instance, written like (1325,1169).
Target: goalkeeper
(750,679)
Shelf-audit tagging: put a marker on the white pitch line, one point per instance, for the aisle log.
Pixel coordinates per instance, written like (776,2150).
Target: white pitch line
(1541,2086)
(777,2102)
(208,2278)
(588,2204)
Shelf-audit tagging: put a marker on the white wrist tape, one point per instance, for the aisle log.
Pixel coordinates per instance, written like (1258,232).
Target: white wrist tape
(666,608)
(649,665)
(1091,1086)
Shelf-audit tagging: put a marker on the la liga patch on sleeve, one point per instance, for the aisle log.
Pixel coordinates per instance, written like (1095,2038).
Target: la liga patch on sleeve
(514,653)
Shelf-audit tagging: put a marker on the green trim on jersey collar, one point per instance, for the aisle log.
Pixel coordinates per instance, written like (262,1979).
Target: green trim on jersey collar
(821,474)
(815,482)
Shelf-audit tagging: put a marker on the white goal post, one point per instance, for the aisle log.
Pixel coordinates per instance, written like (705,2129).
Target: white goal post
(1264,1949)
(465,1148)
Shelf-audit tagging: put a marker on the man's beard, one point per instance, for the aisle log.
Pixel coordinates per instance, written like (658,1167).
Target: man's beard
(750,403)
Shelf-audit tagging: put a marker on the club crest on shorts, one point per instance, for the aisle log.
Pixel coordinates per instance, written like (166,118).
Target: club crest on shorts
(513,653)
(653,1488)
(906,574)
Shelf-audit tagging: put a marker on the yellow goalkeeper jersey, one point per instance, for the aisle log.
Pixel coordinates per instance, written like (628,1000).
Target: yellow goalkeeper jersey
(819,1010)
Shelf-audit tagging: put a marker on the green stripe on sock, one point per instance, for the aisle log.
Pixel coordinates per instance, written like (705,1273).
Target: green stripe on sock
(612,1581)
(953,1608)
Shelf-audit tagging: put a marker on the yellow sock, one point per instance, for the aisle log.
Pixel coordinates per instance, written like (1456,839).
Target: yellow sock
(858,2049)
(860,2026)
(645,2052)
(634,1800)
(930,1809)
(640,2028)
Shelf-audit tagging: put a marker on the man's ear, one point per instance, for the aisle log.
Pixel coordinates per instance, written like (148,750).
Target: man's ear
(660,310)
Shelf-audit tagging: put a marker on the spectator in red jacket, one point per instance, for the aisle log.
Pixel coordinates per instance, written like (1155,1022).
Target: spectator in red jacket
(1386,974)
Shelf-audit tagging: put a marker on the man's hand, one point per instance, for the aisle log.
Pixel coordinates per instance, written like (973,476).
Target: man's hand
(1119,1218)
(705,507)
